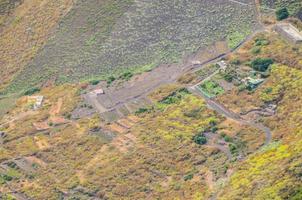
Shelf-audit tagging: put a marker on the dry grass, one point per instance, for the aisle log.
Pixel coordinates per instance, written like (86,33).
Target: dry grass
(30,26)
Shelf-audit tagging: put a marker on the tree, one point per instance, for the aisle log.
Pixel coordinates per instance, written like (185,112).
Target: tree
(282,13)
(261,64)
(200,139)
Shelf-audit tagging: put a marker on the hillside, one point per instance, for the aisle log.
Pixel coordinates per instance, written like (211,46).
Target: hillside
(141,99)
(98,39)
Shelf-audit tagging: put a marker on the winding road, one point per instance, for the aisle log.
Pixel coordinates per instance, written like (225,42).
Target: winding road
(231,115)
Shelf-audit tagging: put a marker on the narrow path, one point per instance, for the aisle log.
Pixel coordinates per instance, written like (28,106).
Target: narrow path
(241,3)
(213,141)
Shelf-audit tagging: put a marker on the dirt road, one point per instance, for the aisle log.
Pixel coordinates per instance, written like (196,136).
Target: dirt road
(214,141)
(231,115)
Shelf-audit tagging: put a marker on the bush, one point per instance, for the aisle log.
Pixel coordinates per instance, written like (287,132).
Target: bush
(31,91)
(141,110)
(169,100)
(268,90)
(228,77)
(214,129)
(256,50)
(241,88)
(261,42)
(188,177)
(233,148)
(110,79)
(236,62)
(282,13)
(126,76)
(228,138)
(6,177)
(261,64)
(200,139)
(94,82)
(195,113)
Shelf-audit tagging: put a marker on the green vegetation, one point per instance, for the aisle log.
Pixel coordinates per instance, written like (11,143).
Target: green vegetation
(174,97)
(8,197)
(10,174)
(271,94)
(113,42)
(110,80)
(160,152)
(126,76)
(236,37)
(226,137)
(282,13)
(6,104)
(32,91)
(200,139)
(142,110)
(207,70)
(228,77)
(256,50)
(235,61)
(279,159)
(293,6)
(211,88)
(261,64)
(261,42)
(233,148)
(94,82)
(188,176)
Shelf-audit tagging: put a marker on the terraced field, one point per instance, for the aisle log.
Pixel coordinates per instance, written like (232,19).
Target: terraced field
(98,39)
(169,140)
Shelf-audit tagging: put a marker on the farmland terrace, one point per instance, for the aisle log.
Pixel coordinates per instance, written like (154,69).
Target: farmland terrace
(98,39)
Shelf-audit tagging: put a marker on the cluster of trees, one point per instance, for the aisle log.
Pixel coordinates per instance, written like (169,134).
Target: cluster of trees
(282,13)
(261,64)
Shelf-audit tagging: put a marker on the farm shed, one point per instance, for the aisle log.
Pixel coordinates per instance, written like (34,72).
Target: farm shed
(289,32)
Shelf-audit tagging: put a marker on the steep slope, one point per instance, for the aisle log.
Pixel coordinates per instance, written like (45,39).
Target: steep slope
(102,38)
(24,30)
(275,171)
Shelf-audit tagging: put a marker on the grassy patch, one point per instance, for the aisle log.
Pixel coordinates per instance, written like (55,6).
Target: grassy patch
(236,37)
(7,104)
(211,88)
(207,70)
